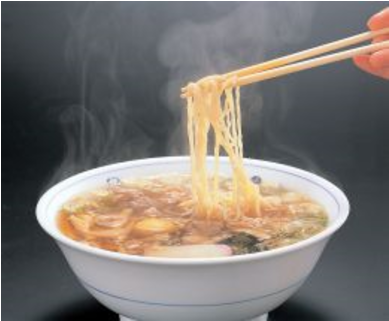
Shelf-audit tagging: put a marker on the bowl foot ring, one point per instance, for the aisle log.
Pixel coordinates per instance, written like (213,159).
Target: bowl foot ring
(260,318)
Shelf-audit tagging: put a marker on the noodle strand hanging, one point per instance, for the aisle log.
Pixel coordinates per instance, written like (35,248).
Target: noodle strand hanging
(214,110)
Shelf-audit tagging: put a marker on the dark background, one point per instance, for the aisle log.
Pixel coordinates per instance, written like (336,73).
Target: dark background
(337,124)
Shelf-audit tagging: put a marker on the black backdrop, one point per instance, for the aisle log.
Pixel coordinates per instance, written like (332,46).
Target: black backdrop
(337,124)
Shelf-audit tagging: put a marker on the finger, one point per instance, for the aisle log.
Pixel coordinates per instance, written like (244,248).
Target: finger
(383,73)
(363,62)
(379,20)
(380,38)
(380,59)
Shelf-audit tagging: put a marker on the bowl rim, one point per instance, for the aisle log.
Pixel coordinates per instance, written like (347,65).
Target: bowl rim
(333,190)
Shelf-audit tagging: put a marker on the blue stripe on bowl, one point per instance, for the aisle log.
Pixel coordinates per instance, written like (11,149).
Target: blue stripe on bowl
(198,305)
(195,305)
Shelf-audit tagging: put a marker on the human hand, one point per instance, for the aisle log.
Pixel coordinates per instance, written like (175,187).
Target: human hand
(376,63)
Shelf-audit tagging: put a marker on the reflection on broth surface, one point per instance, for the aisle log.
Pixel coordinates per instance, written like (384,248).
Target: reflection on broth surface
(155,216)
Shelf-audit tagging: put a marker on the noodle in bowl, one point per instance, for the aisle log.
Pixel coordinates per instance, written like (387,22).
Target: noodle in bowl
(232,288)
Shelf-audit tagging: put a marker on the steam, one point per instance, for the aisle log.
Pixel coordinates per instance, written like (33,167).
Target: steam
(247,34)
(126,107)
(107,124)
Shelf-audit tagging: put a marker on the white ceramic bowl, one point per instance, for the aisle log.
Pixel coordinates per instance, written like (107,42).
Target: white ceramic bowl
(232,288)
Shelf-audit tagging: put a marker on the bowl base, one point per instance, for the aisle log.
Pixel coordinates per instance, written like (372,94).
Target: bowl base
(260,318)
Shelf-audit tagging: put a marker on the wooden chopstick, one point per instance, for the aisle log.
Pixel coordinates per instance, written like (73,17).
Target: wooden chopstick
(308,64)
(316,51)
(285,60)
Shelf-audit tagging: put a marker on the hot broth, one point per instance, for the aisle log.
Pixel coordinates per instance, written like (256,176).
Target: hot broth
(156,217)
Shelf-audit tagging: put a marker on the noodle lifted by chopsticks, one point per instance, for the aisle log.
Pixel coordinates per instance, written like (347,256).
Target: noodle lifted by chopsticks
(215,109)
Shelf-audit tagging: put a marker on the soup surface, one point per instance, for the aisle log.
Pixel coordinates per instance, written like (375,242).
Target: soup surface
(155,216)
